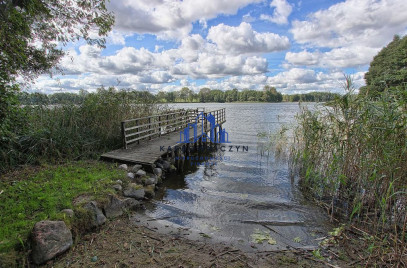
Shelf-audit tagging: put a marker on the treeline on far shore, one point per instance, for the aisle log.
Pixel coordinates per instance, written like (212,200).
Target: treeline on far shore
(268,94)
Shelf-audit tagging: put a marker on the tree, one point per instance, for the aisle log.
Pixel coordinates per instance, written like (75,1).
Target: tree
(388,68)
(32,33)
(204,94)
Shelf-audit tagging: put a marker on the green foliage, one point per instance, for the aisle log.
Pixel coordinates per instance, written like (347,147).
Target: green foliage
(269,94)
(388,69)
(311,97)
(42,195)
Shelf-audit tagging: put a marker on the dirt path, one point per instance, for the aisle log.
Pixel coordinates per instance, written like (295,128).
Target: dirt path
(121,243)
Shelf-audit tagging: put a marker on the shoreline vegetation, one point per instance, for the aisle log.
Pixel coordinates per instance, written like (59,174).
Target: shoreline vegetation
(184,95)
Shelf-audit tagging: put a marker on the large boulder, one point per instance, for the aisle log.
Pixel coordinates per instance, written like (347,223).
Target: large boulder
(116,206)
(49,239)
(96,215)
(134,191)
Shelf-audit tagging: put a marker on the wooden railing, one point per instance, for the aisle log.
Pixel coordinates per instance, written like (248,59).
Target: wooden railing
(149,127)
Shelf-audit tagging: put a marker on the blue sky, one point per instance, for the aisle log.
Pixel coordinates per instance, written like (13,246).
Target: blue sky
(295,46)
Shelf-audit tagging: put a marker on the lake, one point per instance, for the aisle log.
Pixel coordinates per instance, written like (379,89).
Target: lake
(238,194)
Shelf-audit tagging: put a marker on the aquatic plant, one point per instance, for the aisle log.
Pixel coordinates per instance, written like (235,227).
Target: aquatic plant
(351,155)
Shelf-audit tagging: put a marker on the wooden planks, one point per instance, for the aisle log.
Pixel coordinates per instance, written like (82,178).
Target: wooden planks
(147,152)
(151,136)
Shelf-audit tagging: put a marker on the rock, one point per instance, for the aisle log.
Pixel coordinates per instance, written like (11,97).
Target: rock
(131,204)
(150,191)
(49,239)
(117,187)
(119,182)
(141,173)
(123,166)
(150,181)
(130,175)
(158,171)
(116,206)
(159,165)
(166,165)
(136,168)
(68,212)
(97,217)
(172,168)
(135,191)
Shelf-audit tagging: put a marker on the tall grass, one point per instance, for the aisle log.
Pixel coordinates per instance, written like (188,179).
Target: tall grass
(69,131)
(351,154)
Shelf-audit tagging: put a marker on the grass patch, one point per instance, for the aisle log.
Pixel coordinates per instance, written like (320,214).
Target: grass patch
(28,197)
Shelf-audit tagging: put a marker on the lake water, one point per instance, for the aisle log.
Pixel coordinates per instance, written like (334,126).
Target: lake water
(242,193)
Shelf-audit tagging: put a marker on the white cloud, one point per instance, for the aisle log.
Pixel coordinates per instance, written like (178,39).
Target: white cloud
(369,23)
(171,19)
(243,39)
(354,56)
(282,9)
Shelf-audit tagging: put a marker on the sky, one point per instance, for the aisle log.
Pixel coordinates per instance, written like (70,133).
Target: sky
(295,46)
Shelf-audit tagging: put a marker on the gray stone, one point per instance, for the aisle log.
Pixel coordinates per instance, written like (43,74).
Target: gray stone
(135,191)
(68,212)
(150,181)
(159,165)
(49,239)
(123,166)
(158,171)
(166,165)
(117,187)
(116,206)
(97,217)
(130,175)
(131,204)
(136,168)
(119,182)
(141,173)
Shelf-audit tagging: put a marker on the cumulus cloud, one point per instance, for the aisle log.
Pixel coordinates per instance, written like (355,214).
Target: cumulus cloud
(282,9)
(369,23)
(170,19)
(353,32)
(336,58)
(243,39)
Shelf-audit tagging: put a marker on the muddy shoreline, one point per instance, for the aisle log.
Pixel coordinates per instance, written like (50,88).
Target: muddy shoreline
(125,243)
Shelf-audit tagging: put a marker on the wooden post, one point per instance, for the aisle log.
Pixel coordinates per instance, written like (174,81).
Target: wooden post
(124,135)
(159,125)
(149,127)
(138,135)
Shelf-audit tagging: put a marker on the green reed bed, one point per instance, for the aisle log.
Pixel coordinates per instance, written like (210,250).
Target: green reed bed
(70,131)
(351,154)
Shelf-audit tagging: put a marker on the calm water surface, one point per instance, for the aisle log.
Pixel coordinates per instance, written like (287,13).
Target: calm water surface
(244,192)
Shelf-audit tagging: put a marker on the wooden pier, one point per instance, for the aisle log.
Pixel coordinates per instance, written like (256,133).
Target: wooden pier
(145,139)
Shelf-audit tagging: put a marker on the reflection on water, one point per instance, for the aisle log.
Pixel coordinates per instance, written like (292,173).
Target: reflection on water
(235,192)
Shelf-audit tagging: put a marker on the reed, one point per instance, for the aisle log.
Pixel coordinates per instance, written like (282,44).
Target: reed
(52,134)
(351,154)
